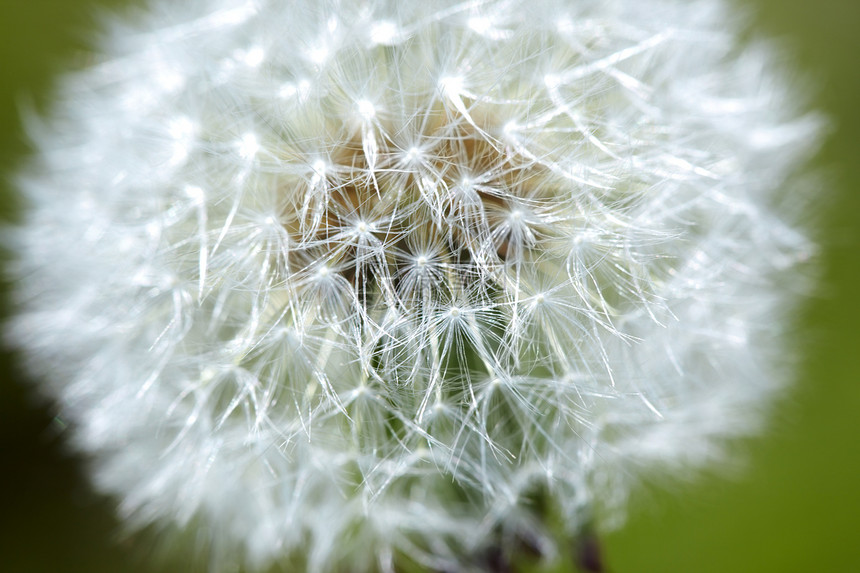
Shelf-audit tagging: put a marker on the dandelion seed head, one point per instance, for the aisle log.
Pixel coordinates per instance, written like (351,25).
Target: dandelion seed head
(350,282)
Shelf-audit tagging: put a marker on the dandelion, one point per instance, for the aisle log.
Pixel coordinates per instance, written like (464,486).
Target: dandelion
(361,281)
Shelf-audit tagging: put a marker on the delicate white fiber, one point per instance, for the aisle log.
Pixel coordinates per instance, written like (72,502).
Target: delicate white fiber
(339,281)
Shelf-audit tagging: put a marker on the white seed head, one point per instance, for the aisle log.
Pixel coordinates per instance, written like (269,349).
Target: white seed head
(344,281)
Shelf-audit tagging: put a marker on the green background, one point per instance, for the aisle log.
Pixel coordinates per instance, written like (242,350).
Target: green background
(795,507)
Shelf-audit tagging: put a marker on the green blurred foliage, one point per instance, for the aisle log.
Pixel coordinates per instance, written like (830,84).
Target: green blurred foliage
(794,508)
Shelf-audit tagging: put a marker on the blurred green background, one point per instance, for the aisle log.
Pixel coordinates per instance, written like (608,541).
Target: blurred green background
(795,508)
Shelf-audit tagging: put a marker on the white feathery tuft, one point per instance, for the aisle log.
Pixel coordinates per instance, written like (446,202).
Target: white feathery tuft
(354,280)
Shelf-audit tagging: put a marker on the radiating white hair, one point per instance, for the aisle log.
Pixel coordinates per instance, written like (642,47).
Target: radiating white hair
(340,281)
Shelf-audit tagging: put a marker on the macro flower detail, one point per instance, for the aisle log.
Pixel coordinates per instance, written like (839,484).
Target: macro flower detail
(350,282)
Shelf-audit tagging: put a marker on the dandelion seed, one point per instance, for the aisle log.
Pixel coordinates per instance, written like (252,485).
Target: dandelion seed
(349,283)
